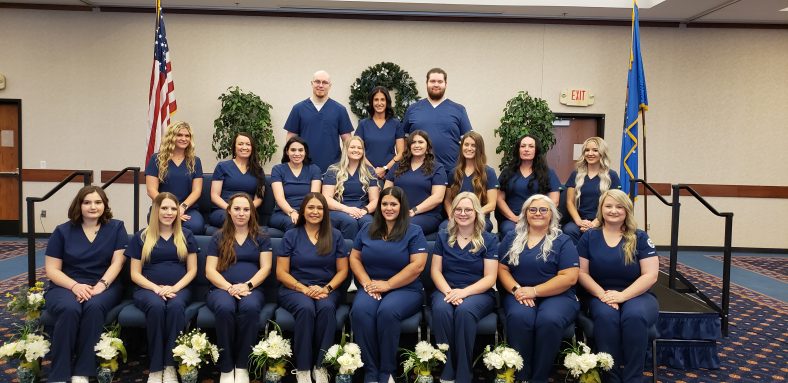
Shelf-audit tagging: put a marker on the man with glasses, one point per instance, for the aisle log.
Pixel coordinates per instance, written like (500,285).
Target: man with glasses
(321,122)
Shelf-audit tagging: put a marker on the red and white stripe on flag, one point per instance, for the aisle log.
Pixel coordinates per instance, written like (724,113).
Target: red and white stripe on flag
(161,98)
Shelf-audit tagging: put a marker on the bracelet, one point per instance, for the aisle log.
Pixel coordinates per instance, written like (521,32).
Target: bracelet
(106,285)
(74,285)
(365,209)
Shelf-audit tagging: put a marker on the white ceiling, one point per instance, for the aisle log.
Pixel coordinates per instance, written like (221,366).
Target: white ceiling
(681,11)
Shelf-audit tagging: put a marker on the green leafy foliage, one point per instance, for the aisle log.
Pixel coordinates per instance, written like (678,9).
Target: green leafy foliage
(523,115)
(385,74)
(243,112)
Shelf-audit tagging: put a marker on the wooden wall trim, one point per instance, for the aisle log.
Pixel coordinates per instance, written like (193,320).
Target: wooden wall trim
(127,178)
(49,175)
(734,191)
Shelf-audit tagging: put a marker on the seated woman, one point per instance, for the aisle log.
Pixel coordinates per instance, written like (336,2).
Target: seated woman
(538,270)
(527,175)
(313,264)
(382,132)
(242,174)
(591,178)
(163,263)
(422,179)
(618,266)
(238,261)
(473,175)
(351,189)
(83,258)
(464,269)
(176,169)
(290,181)
(387,257)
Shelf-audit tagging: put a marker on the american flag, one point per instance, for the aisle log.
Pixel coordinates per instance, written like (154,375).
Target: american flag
(161,99)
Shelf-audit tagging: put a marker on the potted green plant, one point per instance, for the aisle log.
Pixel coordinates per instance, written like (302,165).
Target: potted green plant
(243,112)
(523,115)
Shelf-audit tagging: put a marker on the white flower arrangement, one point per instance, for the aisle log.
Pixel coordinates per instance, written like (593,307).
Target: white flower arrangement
(503,360)
(345,358)
(27,301)
(424,358)
(192,350)
(109,347)
(29,347)
(271,353)
(584,364)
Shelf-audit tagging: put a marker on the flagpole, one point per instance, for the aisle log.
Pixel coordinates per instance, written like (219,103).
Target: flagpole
(645,171)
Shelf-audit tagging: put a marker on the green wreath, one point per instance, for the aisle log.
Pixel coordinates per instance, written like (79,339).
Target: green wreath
(392,77)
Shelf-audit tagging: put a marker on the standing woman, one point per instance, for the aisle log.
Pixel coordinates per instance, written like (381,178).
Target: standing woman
(242,174)
(163,263)
(591,178)
(618,266)
(538,270)
(464,269)
(387,257)
(313,264)
(351,189)
(473,175)
(528,175)
(83,258)
(176,169)
(382,133)
(290,181)
(422,179)
(239,259)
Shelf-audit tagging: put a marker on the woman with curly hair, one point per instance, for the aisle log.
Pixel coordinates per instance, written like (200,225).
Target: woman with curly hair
(176,169)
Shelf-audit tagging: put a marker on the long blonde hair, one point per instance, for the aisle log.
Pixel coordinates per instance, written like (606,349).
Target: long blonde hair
(521,230)
(342,173)
(167,147)
(151,234)
(477,241)
(582,168)
(630,226)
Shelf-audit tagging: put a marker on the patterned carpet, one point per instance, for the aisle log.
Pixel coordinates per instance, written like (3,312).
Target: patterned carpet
(10,249)
(753,352)
(772,267)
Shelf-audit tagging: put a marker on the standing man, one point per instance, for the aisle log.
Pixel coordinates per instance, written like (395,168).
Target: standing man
(321,122)
(444,120)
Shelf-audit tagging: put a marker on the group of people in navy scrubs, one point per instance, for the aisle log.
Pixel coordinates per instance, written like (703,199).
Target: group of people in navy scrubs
(386,189)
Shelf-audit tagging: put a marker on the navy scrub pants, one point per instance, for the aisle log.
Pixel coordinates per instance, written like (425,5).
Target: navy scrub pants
(237,326)
(315,326)
(165,319)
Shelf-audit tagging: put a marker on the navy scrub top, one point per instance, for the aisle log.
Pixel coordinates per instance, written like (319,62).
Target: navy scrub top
(460,267)
(418,186)
(295,188)
(445,124)
(531,269)
(306,265)
(606,264)
(517,190)
(233,181)
(384,259)
(380,142)
(590,193)
(163,267)
(178,180)
(85,261)
(247,257)
(353,194)
(320,130)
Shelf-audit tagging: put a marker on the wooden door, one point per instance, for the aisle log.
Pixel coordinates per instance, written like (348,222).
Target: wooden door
(561,158)
(10,158)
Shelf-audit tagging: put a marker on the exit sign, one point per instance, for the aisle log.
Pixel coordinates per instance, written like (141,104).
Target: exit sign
(577,97)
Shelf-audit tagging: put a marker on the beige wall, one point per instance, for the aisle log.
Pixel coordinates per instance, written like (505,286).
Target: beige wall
(718,96)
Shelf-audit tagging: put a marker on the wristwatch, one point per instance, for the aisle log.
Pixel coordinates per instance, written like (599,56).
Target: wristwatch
(386,167)
(250,285)
(106,285)
(514,288)
(184,206)
(329,288)
(415,209)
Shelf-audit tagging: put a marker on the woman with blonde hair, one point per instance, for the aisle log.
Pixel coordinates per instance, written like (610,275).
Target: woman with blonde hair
(592,177)
(238,261)
(618,266)
(176,169)
(163,263)
(351,189)
(538,270)
(464,268)
(472,174)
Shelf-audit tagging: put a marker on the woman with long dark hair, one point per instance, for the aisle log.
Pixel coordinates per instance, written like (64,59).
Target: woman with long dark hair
(238,261)
(387,257)
(422,179)
(312,266)
(83,258)
(241,174)
(290,181)
(527,175)
(382,132)
(472,174)
(163,263)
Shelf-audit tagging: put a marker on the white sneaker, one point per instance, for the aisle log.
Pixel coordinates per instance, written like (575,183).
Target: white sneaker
(154,377)
(391,379)
(241,375)
(79,379)
(170,375)
(447,381)
(227,377)
(321,376)
(303,377)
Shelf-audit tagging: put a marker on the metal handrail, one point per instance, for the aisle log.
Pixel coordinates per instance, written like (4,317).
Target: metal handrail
(136,204)
(87,179)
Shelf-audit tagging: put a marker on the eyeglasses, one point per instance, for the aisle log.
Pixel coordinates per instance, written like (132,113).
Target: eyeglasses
(534,210)
(321,82)
(459,210)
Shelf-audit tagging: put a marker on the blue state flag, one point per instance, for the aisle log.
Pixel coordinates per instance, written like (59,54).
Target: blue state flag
(637,101)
